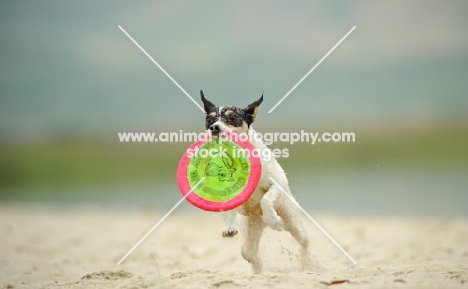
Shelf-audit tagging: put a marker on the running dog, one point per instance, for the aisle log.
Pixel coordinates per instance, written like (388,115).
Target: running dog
(267,206)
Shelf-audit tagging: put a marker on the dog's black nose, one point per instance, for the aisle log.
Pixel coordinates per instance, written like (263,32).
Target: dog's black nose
(214,128)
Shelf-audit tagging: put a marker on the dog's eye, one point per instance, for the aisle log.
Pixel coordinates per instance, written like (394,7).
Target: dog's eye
(209,120)
(232,117)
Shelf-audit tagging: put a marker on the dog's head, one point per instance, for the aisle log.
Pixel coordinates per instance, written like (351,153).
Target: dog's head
(224,119)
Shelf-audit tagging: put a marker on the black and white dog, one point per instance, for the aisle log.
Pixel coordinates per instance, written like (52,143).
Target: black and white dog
(268,206)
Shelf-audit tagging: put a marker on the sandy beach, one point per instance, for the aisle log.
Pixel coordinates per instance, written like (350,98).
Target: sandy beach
(43,246)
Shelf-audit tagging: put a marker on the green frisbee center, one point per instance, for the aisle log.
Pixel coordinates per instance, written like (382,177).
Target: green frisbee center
(225,166)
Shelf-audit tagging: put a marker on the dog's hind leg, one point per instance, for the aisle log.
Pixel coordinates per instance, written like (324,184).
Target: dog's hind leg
(231,223)
(252,230)
(293,224)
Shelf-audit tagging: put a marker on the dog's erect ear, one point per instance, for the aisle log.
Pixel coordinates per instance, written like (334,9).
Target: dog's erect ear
(252,108)
(207,105)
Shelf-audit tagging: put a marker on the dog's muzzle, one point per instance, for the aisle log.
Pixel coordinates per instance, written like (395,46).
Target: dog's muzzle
(214,129)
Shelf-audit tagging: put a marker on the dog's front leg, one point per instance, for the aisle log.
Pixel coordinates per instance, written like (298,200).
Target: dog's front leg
(269,204)
(252,230)
(231,223)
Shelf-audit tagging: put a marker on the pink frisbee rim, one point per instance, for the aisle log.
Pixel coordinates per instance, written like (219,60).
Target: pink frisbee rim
(214,206)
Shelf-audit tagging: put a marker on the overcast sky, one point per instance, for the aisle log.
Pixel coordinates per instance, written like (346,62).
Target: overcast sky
(65,67)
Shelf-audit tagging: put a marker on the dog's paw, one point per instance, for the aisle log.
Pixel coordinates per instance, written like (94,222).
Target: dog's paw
(307,263)
(257,268)
(274,221)
(229,233)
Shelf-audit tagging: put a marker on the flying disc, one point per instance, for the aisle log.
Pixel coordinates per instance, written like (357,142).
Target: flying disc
(228,170)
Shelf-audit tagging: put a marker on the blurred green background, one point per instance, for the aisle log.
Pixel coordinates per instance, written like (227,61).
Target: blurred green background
(71,80)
